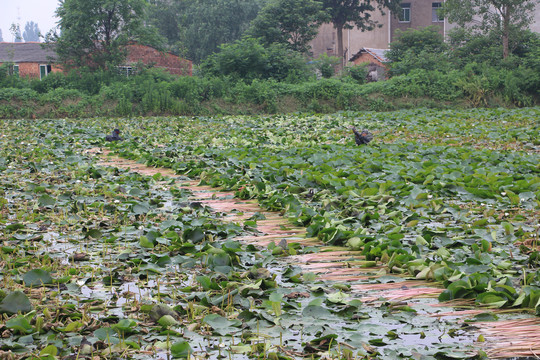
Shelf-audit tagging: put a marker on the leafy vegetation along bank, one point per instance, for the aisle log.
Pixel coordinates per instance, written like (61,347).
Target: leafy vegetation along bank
(100,261)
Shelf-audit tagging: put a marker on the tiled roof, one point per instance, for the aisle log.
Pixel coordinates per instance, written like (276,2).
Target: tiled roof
(25,52)
(378,54)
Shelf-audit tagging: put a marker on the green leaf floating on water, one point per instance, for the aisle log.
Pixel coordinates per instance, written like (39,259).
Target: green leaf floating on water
(181,349)
(20,324)
(15,302)
(37,277)
(141,209)
(49,350)
(167,320)
(146,243)
(46,200)
(221,325)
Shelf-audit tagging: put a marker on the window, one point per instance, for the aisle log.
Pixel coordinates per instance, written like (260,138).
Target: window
(44,70)
(13,70)
(405,12)
(435,16)
(127,70)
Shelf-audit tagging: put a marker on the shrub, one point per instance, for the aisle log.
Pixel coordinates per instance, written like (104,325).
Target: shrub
(247,60)
(416,41)
(358,73)
(50,82)
(20,94)
(326,65)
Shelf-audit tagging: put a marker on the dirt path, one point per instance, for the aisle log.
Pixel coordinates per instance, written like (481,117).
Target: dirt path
(339,266)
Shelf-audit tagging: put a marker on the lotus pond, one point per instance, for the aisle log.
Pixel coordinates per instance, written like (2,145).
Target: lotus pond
(272,237)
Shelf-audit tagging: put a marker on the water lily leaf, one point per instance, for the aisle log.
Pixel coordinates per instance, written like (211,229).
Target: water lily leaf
(221,325)
(46,200)
(49,350)
(15,302)
(337,297)
(316,311)
(107,335)
(73,326)
(93,234)
(37,277)
(20,324)
(124,326)
(140,208)
(194,235)
(14,227)
(167,320)
(145,242)
(241,349)
(181,349)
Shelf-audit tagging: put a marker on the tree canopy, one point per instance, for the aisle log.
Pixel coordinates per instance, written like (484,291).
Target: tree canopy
(505,17)
(15,30)
(31,31)
(293,23)
(93,33)
(206,24)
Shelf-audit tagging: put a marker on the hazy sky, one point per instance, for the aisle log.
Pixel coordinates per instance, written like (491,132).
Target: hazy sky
(21,11)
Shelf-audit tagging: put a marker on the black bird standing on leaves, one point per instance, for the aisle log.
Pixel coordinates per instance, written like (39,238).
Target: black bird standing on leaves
(114,137)
(361,138)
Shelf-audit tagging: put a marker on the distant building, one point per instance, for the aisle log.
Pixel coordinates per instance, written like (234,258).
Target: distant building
(376,62)
(29,59)
(34,60)
(414,14)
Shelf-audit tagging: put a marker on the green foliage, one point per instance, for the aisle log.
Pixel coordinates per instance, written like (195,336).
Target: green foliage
(8,78)
(418,49)
(293,23)
(50,82)
(415,41)
(248,59)
(327,65)
(421,83)
(207,24)
(358,73)
(504,19)
(93,33)
(24,94)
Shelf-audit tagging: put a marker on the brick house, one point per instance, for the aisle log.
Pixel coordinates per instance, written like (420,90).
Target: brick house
(31,59)
(376,60)
(149,56)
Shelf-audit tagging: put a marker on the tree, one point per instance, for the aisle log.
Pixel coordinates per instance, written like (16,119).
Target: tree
(419,49)
(346,14)
(415,41)
(165,16)
(293,23)
(206,24)
(93,33)
(247,59)
(15,30)
(503,16)
(31,31)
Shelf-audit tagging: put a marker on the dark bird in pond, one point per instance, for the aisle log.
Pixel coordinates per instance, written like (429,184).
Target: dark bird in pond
(361,138)
(114,137)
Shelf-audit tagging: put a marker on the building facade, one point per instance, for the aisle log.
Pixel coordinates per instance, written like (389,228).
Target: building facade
(414,14)
(34,60)
(28,59)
